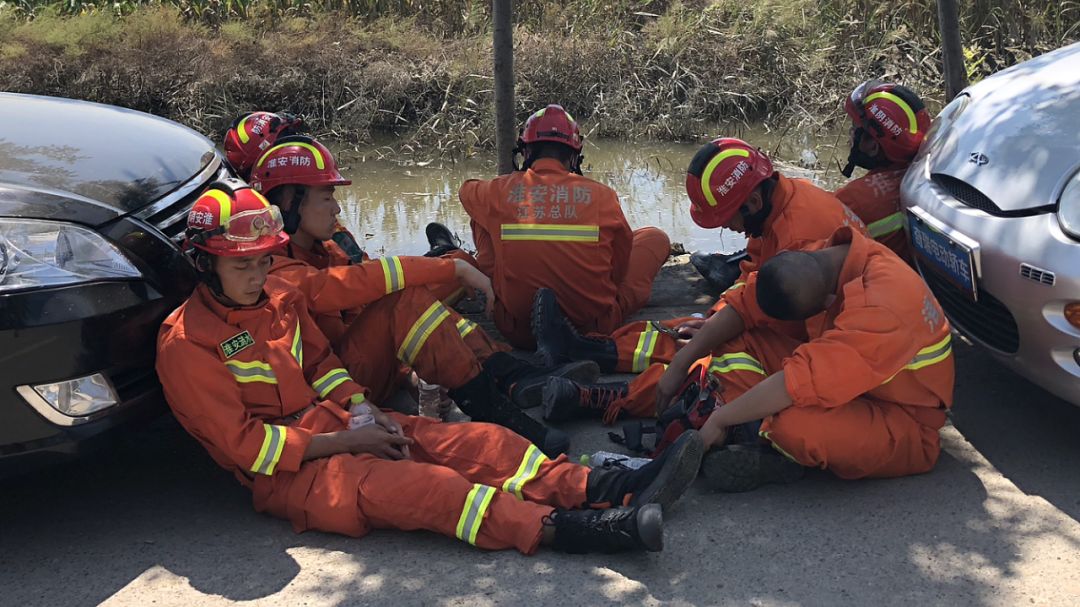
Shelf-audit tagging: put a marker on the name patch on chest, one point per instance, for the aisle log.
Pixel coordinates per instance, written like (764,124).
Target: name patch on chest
(236,344)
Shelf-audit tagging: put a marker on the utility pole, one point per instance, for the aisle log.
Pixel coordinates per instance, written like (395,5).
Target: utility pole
(502,13)
(952,50)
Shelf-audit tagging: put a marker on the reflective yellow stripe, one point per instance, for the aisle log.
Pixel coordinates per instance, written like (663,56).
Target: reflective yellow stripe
(733,287)
(913,125)
(241,131)
(298,346)
(272,448)
(465,326)
(393,274)
(420,331)
(645,346)
(224,202)
(765,435)
(529,468)
(736,361)
(930,355)
(886,225)
(357,398)
(254,371)
(709,168)
(326,384)
(319,163)
(546,231)
(472,514)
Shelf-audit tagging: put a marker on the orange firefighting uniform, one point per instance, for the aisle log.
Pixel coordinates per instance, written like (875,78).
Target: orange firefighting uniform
(802,214)
(394,320)
(875,198)
(547,227)
(254,384)
(869,385)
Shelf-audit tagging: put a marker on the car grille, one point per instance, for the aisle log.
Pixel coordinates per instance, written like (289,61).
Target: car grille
(1030,272)
(971,197)
(987,319)
(170,216)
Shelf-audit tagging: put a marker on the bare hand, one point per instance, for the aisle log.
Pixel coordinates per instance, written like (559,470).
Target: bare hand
(688,330)
(391,426)
(668,387)
(472,278)
(374,439)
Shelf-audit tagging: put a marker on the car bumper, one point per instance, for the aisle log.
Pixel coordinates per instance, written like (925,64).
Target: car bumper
(1018,317)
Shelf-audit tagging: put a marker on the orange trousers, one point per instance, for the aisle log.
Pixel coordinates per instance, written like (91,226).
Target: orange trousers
(867,437)
(411,327)
(480,483)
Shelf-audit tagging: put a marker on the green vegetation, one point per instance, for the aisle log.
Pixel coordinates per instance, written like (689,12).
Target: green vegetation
(666,69)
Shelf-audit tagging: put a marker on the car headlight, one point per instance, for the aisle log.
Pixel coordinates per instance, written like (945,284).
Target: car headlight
(36,253)
(1069,207)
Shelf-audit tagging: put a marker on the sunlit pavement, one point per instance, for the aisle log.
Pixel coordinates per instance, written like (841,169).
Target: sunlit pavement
(154,522)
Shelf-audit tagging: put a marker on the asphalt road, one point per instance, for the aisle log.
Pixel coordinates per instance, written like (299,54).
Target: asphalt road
(152,521)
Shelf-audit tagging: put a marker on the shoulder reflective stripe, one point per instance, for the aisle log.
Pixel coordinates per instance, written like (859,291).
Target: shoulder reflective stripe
(326,384)
(886,225)
(706,175)
(554,232)
(529,468)
(733,287)
(765,435)
(393,274)
(472,514)
(465,326)
(420,331)
(913,125)
(254,371)
(319,163)
(645,346)
(298,346)
(224,203)
(737,361)
(357,398)
(929,355)
(272,448)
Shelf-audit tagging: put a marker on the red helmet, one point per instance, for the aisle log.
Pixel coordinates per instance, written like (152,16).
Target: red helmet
(253,133)
(232,220)
(552,123)
(721,177)
(296,161)
(893,115)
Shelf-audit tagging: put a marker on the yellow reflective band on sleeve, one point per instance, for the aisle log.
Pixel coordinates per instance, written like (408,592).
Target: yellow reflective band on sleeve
(930,355)
(550,232)
(886,225)
(357,398)
(298,346)
(709,168)
(736,361)
(913,125)
(529,468)
(465,326)
(733,287)
(319,162)
(646,345)
(224,203)
(272,448)
(393,274)
(326,384)
(420,331)
(472,514)
(253,371)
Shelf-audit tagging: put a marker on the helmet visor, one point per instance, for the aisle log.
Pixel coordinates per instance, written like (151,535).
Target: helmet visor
(249,226)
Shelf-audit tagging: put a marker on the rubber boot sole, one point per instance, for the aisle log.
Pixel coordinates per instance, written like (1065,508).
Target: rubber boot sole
(680,469)
(739,468)
(532,393)
(650,527)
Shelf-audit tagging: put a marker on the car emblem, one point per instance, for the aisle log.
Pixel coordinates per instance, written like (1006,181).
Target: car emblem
(978,159)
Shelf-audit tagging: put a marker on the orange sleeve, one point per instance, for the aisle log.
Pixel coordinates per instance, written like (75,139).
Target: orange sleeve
(742,297)
(206,400)
(340,288)
(476,196)
(622,242)
(323,370)
(865,348)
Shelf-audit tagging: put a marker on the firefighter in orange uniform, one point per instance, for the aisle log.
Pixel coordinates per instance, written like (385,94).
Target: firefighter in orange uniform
(889,123)
(546,225)
(248,374)
(863,394)
(732,185)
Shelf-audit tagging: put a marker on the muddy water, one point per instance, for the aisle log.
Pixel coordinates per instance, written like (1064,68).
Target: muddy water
(389,204)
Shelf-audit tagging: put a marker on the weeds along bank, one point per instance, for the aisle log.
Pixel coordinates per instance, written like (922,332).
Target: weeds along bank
(421,70)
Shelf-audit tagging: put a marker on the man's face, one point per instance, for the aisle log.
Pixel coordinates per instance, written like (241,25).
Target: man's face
(737,222)
(242,278)
(318,212)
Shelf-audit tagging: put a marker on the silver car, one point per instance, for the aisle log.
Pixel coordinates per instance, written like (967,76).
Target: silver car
(993,203)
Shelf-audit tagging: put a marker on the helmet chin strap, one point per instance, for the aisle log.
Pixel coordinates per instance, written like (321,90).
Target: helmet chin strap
(204,269)
(755,222)
(291,218)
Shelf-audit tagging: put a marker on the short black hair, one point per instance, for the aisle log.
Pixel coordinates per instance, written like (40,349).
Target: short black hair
(551,149)
(790,286)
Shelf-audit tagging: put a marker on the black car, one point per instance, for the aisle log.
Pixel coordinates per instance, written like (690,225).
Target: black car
(93,204)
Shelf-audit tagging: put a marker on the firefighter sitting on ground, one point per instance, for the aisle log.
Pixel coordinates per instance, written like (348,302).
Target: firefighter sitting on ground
(247,372)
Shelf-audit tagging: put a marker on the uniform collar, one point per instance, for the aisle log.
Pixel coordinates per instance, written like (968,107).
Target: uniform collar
(548,165)
(781,196)
(856,258)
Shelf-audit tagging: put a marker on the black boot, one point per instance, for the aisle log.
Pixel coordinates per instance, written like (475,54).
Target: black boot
(661,481)
(564,400)
(612,530)
(738,468)
(558,341)
(482,400)
(440,239)
(720,271)
(524,381)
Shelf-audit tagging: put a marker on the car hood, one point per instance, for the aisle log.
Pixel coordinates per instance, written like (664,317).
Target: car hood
(1017,140)
(86,162)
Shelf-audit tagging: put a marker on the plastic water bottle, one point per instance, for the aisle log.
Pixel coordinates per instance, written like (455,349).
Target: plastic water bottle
(606,459)
(430,397)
